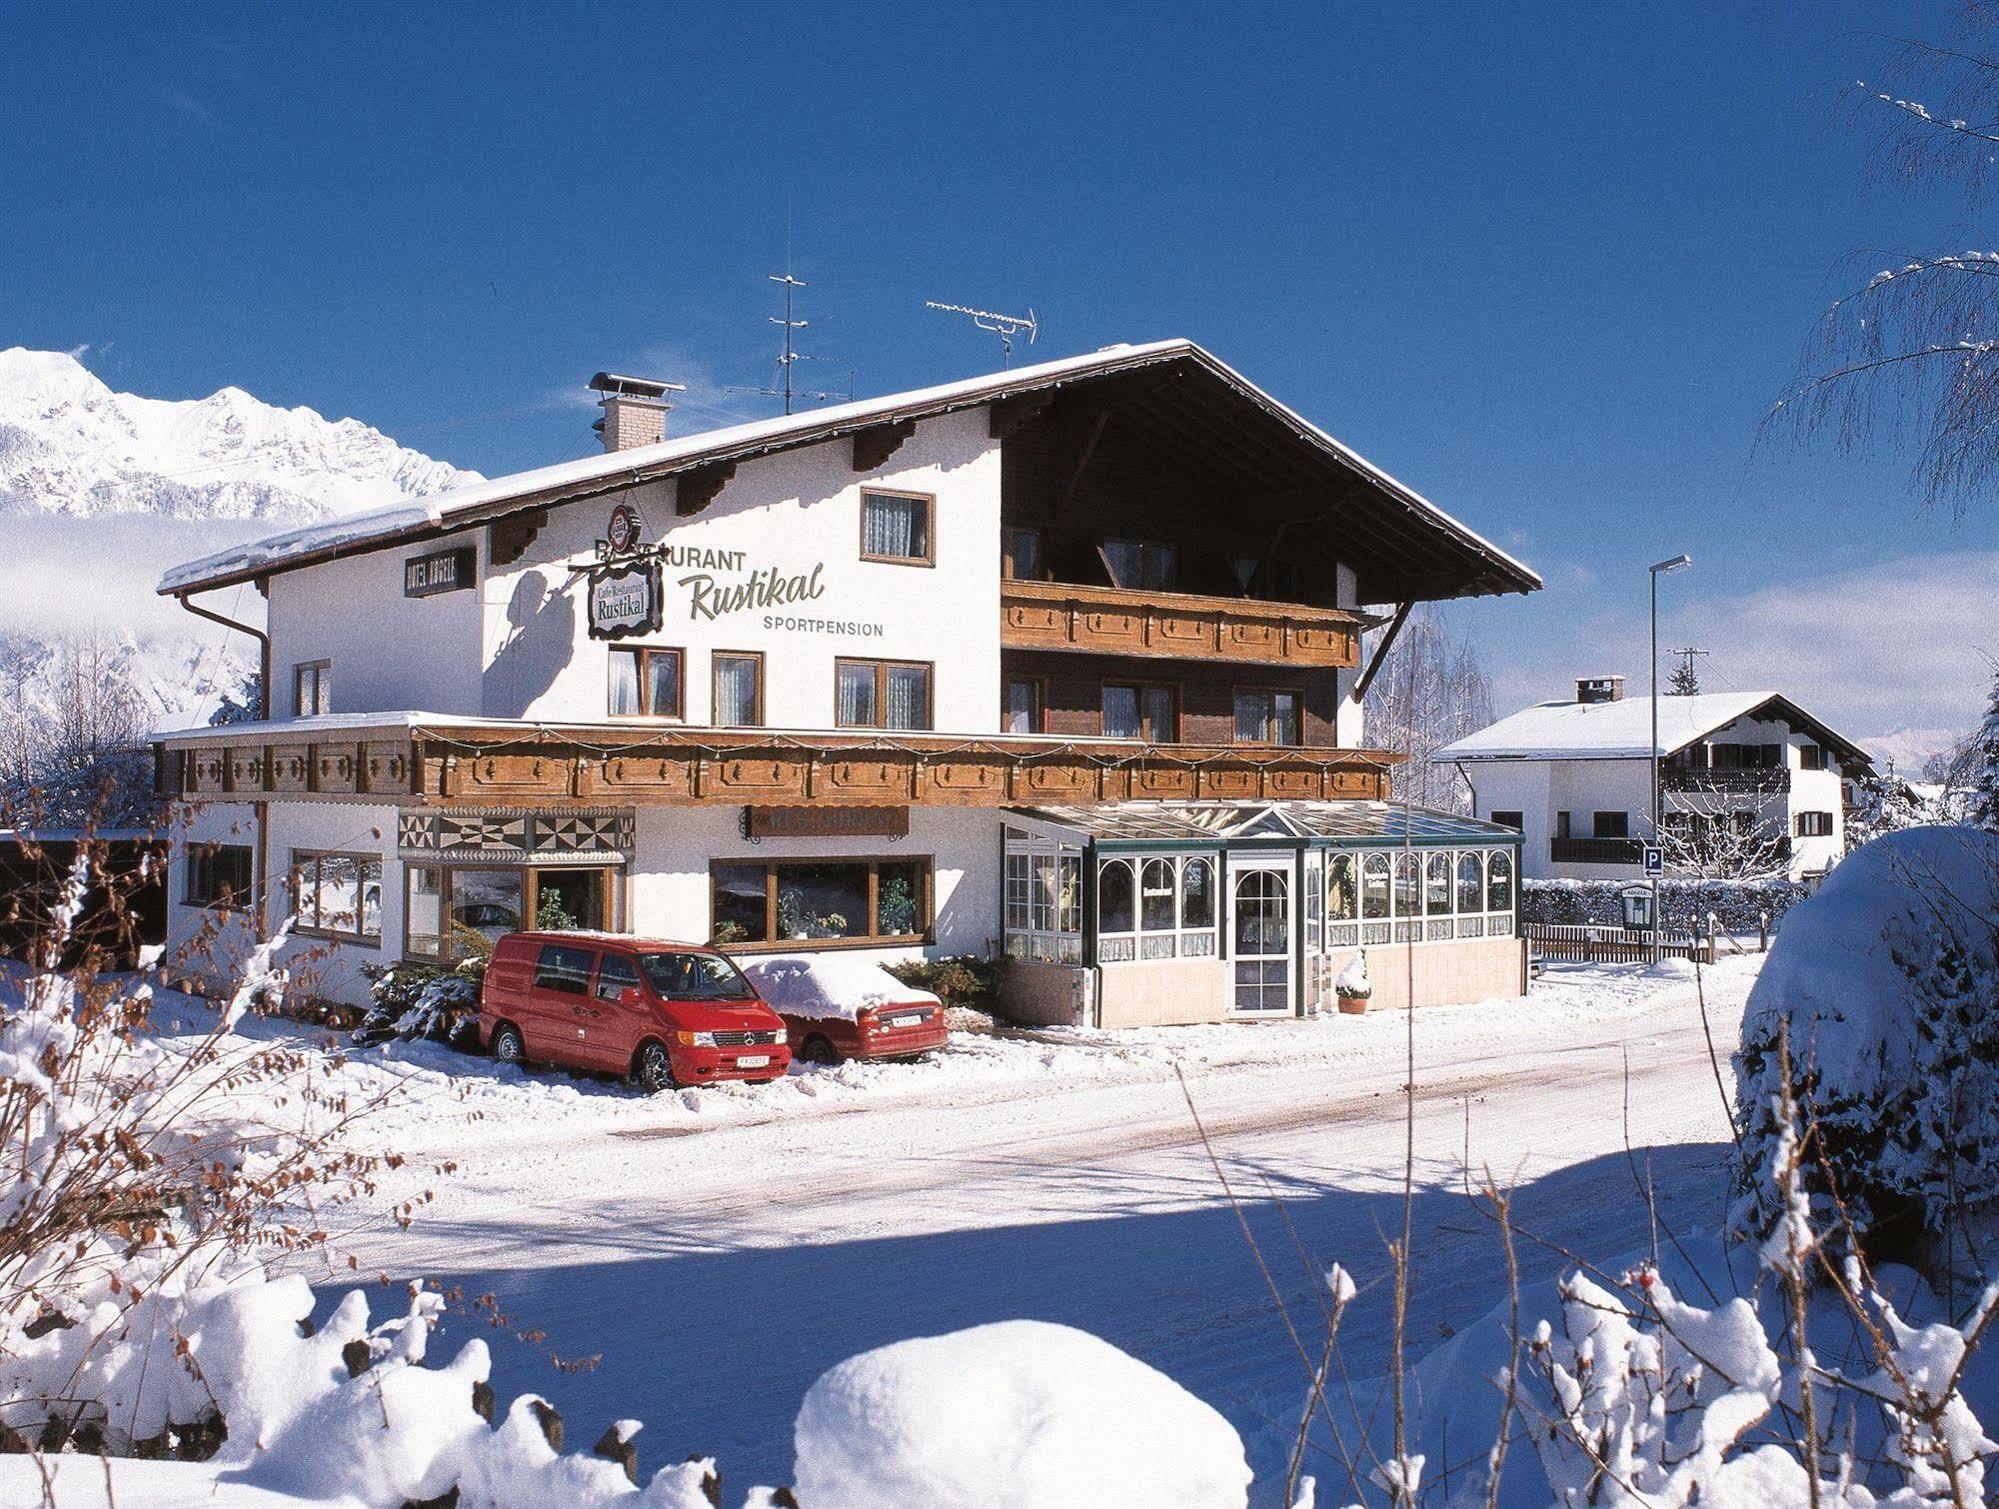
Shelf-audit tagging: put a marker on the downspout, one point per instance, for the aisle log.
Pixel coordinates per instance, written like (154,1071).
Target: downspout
(262,637)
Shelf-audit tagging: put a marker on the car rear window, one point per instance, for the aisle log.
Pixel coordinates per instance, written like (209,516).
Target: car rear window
(616,975)
(564,969)
(696,977)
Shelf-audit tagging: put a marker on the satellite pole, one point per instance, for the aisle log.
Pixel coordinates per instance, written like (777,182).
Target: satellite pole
(1005,326)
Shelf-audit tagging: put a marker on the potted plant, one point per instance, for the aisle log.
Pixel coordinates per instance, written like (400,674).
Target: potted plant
(1353,986)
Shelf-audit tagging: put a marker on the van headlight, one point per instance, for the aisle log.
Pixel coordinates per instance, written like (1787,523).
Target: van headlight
(779,1037)
(697,1039)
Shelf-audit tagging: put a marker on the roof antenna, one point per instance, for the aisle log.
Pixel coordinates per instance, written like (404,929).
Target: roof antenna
(1005,326)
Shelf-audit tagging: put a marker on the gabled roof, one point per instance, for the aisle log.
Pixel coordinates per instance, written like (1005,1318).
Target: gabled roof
(1622,730)
(1421,550)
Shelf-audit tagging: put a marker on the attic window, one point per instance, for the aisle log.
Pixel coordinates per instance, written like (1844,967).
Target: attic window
(1143,565)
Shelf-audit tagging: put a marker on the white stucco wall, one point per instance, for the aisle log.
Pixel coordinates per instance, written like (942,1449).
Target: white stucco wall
(671,887)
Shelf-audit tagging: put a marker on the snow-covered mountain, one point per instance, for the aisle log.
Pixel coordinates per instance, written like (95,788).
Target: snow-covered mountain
(70,445)
(100,491)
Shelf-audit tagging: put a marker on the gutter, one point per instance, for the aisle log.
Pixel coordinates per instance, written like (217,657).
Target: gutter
(262,637)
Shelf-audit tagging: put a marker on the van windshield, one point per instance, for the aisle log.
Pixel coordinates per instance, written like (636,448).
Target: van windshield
(695,977)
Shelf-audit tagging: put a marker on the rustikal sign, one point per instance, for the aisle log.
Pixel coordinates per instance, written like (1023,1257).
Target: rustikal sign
(624,600)
(826,822)
(439,571)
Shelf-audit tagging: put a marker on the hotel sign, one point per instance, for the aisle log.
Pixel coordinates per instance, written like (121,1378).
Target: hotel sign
(624,600)
(826,822)
(440,571)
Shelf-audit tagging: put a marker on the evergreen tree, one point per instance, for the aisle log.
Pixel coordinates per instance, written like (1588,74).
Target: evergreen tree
(1683,682)
(1984,762)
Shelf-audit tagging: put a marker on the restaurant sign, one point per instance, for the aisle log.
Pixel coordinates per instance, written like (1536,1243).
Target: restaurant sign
(826,822)
(439,571)
(624,599)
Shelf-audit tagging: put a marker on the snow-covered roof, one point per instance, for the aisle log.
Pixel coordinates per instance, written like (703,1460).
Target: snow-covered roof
(1622,730)
(593,475)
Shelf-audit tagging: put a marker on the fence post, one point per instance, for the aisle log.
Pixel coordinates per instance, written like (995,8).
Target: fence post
(1763,932)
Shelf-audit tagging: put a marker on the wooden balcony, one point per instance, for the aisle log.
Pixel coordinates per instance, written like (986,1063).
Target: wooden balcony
(1699,781)
(1116,621)
(592,765)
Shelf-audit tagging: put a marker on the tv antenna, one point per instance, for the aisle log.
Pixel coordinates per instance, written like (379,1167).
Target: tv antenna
(785,387)
(1005,326)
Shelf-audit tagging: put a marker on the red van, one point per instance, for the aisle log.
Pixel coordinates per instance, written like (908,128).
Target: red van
(663,1013)
(838,1007)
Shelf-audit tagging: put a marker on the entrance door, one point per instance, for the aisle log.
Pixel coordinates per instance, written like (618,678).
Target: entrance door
(1260,910)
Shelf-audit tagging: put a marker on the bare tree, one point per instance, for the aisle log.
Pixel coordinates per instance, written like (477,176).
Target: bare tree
(1908,358)
(1431,690)
(1709,833)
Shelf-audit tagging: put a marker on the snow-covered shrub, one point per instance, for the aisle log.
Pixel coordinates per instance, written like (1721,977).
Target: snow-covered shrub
(959,979)
(1015,1415)
(1886,986)
(1684,905)
(411,1001)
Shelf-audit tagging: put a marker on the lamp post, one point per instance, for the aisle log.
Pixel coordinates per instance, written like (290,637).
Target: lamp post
(1657,570)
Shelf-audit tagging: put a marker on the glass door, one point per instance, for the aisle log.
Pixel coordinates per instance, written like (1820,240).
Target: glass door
(1260,910)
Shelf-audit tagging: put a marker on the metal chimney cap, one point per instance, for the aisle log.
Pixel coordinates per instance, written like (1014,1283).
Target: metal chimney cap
(634,387)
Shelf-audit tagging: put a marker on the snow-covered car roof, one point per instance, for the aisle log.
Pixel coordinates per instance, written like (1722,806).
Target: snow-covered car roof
(829,985)
(1622,730)
(1483,565)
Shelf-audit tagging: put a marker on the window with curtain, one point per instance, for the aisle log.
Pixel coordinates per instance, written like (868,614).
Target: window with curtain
(882,694)
(1499,881)
(1141,711)
(895,527)
(1437,884)
(1266,717)
(1374,886)
(645,682)
(217,875)
(1341,897)
(1471,884)
(1197,894)
(1026,705)
(1146,565)
(738,690)
(1116,909)
(1157,887)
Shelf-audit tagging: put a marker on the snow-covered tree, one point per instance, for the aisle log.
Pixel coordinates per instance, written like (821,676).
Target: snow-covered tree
(1885,803)
(1983,768)
(1431,690)
(1709,834)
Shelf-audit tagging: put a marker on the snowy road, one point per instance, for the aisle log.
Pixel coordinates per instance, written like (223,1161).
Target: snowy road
(719,1270)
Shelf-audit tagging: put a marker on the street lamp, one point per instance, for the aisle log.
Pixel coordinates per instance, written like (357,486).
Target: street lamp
(1658,569)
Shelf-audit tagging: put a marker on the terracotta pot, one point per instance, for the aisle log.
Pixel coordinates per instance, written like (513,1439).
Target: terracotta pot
(1351,1005)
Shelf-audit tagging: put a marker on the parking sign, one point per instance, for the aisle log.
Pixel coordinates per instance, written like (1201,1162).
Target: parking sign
(1655,861)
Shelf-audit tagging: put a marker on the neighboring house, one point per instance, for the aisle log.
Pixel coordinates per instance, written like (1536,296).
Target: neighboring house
(1062,662)
(1749,782)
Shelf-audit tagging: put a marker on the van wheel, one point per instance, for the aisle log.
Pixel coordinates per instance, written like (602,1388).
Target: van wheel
(508,1045)
(653,1069)
(818,1050)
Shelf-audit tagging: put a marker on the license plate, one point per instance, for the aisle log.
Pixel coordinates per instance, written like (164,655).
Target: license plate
(752,1060)
(905,1021)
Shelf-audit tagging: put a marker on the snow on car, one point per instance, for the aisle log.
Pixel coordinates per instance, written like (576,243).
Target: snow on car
(838,1008)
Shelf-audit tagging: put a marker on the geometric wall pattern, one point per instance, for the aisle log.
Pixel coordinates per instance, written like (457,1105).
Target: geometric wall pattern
(513,835)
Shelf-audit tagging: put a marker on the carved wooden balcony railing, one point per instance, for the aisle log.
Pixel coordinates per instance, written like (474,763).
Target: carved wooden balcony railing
(654,766)
(1117,621)
(1754,781)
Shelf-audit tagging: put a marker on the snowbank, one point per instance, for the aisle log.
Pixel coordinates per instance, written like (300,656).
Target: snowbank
(830,985)
(1016,1415)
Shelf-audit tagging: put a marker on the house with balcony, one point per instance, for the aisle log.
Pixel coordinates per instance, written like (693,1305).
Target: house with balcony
(1063,663)
(1750,783)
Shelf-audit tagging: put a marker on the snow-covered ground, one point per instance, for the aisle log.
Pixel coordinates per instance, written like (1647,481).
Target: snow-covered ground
(718,1249)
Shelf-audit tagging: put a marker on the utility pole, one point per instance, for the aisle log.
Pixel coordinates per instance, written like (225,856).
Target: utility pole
(1659,569)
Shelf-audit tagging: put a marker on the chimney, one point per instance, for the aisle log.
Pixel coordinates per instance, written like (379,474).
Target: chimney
(1599,688)
(634,409)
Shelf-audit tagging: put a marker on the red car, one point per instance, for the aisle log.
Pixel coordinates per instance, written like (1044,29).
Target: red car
(665,1014)
(837,1008)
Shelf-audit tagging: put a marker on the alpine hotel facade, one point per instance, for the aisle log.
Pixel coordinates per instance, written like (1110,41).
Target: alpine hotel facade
(1063,663)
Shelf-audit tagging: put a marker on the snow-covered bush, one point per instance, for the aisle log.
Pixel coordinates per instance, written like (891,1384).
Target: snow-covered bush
(413,1001)
(1886,987)
(1015,1415)
(1684,905)
(960,979)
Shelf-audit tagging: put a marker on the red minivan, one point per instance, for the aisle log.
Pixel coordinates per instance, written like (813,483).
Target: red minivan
(664,1013)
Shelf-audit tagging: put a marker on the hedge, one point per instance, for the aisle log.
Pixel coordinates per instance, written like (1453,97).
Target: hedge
(1683,904)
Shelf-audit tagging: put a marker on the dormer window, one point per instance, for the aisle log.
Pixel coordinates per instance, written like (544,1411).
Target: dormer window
(1141,565)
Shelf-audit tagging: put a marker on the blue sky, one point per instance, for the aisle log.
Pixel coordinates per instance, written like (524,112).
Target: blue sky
(1549,264)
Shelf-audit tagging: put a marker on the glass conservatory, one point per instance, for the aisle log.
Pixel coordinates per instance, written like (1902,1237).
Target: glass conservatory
(1262,904)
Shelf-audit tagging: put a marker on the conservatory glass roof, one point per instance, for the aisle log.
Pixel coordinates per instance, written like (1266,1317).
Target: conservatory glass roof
(1340,824)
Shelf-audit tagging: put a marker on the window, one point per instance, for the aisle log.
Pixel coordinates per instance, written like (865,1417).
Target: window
(1471,884)
(1145,565)
(822,901)
(1044,900)
(1562,825)
(339,895)
(1141,711)
(312,688)
(896,527)
(1374,871)
(1499,881)
(615,975)
(1811,757)
(1408,880)
(881,694)
(1612,824)
(1197,894)
(645,683)
(695,977)
(217,875)
(739,689)
(1024,555)
(1157,908)
(564,969)
(1341,897)
(1026,705)
(1019,879)
(1815,825)
(1116,912)
(1513,820)
(1437,885)
(1158,892)
(1266,717)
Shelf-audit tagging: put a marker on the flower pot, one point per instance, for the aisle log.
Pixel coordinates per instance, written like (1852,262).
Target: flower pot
(1351,1005)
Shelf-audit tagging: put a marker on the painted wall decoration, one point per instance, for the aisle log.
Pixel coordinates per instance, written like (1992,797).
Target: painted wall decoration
(516,836)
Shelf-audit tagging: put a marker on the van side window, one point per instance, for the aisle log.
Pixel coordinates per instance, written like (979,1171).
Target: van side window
(615,975)
(564,969)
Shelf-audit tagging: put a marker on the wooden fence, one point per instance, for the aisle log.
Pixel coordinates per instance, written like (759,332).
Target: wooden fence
(1603,943)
